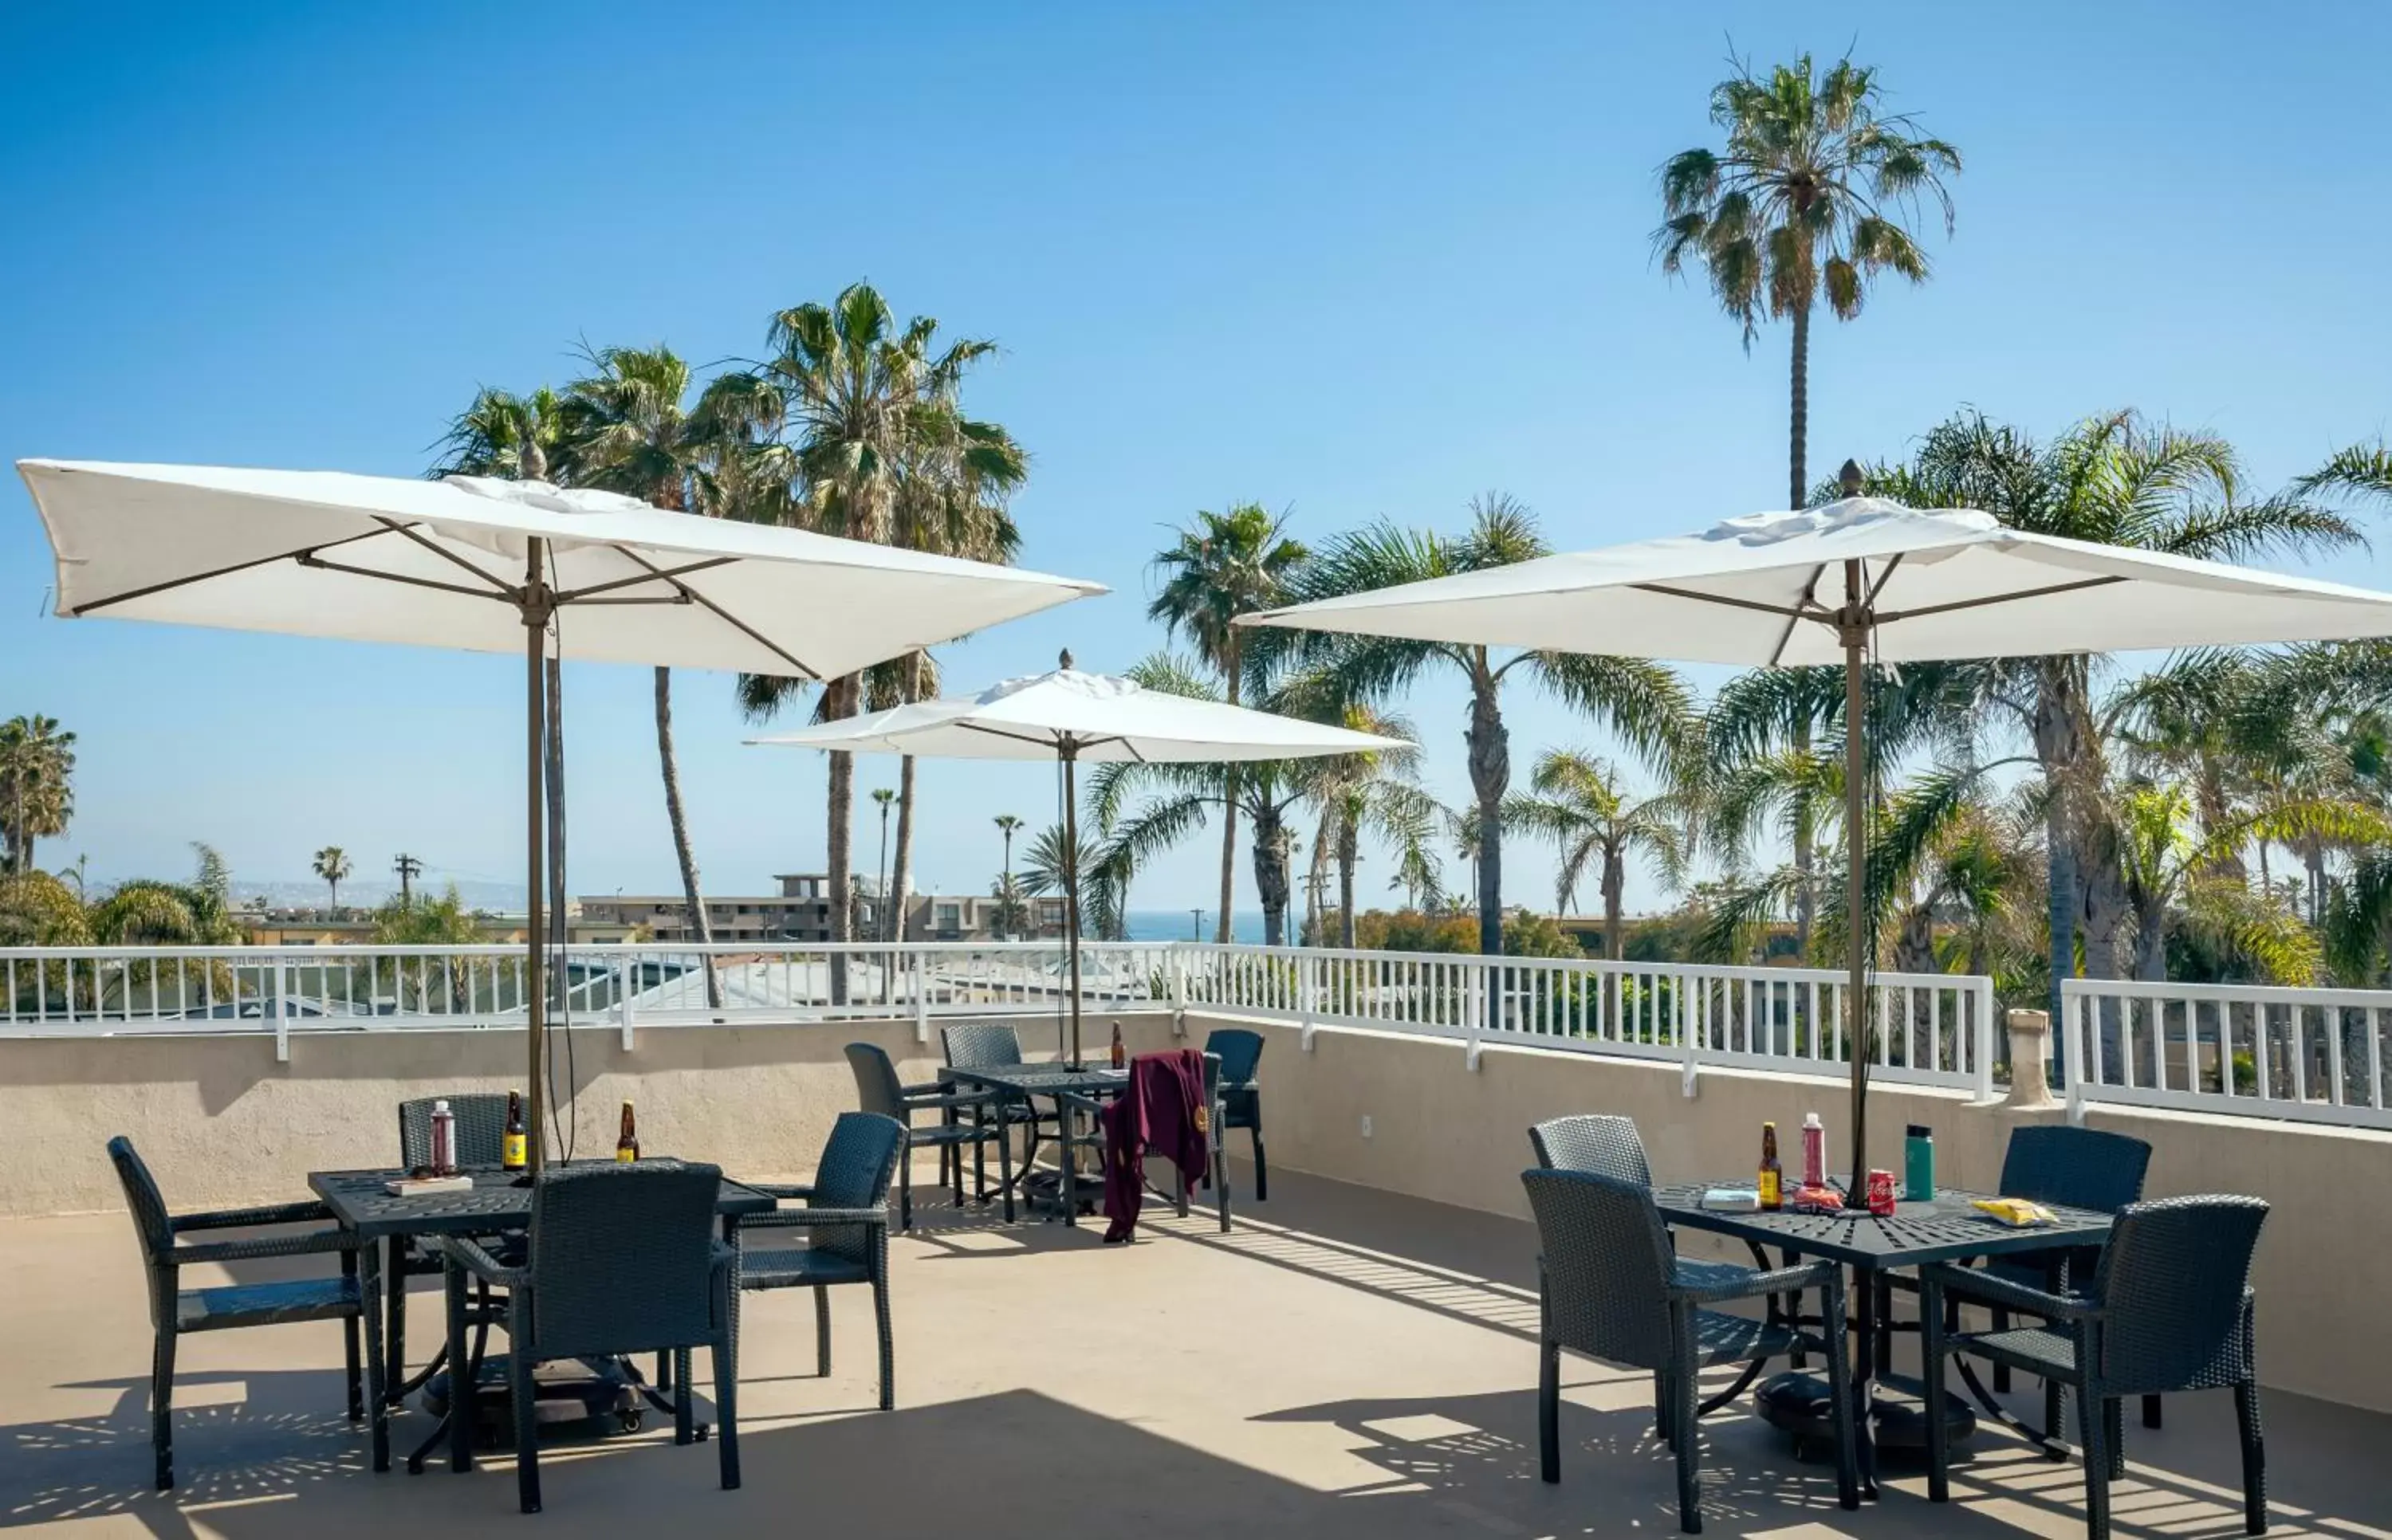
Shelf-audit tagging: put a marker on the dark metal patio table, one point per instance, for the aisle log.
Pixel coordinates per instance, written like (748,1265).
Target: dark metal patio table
(1074,1092)
(1945,1228)
(361,1201)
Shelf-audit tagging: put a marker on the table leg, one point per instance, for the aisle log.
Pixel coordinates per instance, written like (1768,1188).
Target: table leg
(369,1303)
(1067,1125)
(1865,1373)
(464,1370)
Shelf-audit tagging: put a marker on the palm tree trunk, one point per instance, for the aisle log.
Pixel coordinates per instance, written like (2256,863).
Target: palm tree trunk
(1614,890)
(1797,480)
(838,841)
(1490,776)
(1348,841)
(1228,816)
(1271,863)
(904,885)
(680,822)
(1315,883)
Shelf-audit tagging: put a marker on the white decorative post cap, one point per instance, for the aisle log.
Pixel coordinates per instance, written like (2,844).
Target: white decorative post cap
(2030,1034)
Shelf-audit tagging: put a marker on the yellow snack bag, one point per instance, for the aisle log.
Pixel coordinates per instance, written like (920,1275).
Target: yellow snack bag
(2016,1212)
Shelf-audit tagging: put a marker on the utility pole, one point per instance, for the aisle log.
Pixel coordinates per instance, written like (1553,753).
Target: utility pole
(1195,925)
(884,797)
(409,869)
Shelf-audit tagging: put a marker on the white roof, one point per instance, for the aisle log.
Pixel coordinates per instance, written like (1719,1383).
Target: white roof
(1948,583)
(265,551)
(1108,719)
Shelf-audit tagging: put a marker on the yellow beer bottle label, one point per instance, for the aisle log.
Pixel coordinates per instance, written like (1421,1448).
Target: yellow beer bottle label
(512,1155)
(626,1153)
(1770,1195)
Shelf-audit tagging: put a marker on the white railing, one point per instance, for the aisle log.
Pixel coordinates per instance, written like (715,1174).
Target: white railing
(1927,1028)
(2251,1050)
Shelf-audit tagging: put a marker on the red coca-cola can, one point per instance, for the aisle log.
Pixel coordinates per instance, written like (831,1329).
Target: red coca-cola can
(1880,1193)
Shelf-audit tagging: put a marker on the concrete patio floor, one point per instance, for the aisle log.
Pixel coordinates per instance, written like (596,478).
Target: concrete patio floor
(1347,1362)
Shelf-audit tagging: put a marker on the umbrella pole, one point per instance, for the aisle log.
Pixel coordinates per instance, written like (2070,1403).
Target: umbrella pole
(1852,624)
(1072,886)
(535,620)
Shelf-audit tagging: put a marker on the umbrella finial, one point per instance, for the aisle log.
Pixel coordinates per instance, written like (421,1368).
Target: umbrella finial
(1065,660)
(1850,479)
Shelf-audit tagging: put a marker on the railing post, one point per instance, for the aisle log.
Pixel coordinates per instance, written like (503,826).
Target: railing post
(1689,1074)
(1307,984)
(281,1017)
(1474,1006)
(1174,987)
(627,985)
(1983,992)
(2072,1062)
(921,981)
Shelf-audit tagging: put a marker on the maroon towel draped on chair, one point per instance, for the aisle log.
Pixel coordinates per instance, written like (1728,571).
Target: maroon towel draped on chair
(1161,1113)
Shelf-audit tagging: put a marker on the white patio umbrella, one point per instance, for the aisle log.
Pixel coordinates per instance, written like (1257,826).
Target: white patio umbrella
(1073,718)
(501,566)
(1856,579)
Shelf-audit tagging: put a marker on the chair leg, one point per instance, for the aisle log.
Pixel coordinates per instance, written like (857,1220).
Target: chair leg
(905,1189)
(2055,1411)
(2114,1435)
(1548,1410)
(822,1331)
(1883,1283)
(399,1252)
(2151,1411)
(2002,1371)
(1684,1392)
(888,1340)
(350,1327)
(2255,1459)
(1665,1428)
(162,1407)
(724,1356)
(684,1398)
(1932,1374)
(1004,1162)
(519,1368)
(2094,1425)
(1262,1166)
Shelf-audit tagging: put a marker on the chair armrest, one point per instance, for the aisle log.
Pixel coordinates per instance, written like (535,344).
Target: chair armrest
(240,1219)
(782,1190)
(468,1254)
(267,1246)
(1986,1288)
(1757,1285)
(959,1099)
(793,1218)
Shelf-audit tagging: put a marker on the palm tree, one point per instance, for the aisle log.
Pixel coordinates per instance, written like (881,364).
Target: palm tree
(332,864)
(1007,826)
(1644,702)
(1809,197)
(1221,567)
(2113,480)
(882,797)
(1579,805)
(869,441)
(1368,794)
(36,785)
(628,426)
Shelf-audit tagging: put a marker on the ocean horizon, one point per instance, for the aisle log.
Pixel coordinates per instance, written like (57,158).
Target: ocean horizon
(1174,925)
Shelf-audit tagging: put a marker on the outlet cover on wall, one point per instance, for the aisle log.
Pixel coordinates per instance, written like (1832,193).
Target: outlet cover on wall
(1365,1125)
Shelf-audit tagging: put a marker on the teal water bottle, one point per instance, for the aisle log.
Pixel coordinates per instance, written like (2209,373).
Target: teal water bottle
(1918,1164)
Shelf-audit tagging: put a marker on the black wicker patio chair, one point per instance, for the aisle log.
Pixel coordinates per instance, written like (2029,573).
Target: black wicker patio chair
(622,1260)
(2077,1168)
(846,1215)
(1609,1287)
(480,1131)
(1596,1142)
(2169,1309)
(878,1089)
(990,1045)
(174,1310)
(1240,1098)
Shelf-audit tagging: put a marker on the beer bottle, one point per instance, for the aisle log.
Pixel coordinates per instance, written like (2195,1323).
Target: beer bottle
(1773,1176)
(511,1144)
(627,1143)
(1120,1054)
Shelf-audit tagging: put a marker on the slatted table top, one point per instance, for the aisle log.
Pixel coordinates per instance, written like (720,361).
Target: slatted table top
(361,1201)
(1942,1229)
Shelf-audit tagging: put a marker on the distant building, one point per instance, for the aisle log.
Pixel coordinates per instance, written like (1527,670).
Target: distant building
(304,928)
(800,913)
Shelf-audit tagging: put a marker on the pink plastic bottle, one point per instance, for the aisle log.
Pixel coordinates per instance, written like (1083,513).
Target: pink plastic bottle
(1815,1151)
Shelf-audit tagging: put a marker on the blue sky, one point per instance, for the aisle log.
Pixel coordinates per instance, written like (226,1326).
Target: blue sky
(1347,260)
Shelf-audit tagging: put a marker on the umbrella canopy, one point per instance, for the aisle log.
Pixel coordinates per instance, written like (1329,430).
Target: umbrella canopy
(1948,583)
(1857,580)
(1101,717)
(501,566)
(1070,716)
(325,554)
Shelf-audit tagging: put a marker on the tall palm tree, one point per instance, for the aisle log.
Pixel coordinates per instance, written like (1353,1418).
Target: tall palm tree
(332,865)
(1644,702)
(869,441)
(1377,795)
(881,797)
(2119,480)
(1582,807)
(36,784)
(1007,826)
(1781,711)
(629,425)
(515,436)
(1809,197)
(1222,565)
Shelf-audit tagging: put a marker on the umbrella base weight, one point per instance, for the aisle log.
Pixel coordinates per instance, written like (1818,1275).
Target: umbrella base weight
(1798,1403)
(593,1397)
